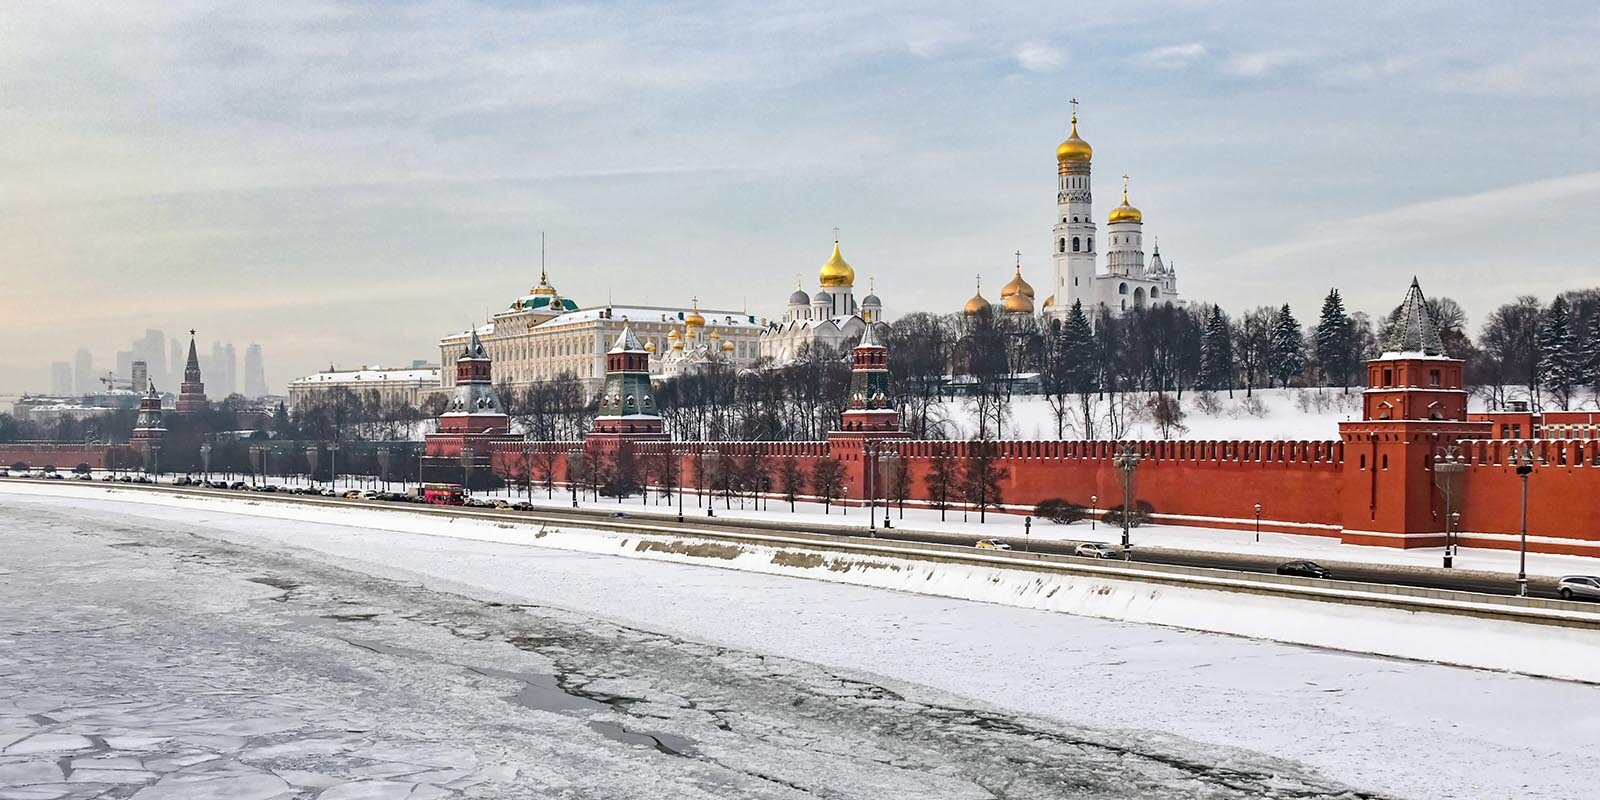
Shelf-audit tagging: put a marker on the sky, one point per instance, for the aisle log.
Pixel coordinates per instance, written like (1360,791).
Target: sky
(348,182)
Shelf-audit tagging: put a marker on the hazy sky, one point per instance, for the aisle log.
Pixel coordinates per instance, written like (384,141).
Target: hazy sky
(348,182)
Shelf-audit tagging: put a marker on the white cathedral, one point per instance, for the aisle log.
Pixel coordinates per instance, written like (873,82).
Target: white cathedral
(1127,281)
(830,317)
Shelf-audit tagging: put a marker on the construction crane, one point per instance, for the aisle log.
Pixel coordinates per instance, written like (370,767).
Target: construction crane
(113,383)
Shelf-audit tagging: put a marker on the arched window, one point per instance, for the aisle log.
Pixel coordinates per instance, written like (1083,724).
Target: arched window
(1063,244)
(1122,288)
(1154,293)
(1075,243)
(1138,297)
(1124,304)
(1091,245)
(1074,219)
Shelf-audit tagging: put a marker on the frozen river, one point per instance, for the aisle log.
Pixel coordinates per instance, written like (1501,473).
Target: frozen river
(156,652)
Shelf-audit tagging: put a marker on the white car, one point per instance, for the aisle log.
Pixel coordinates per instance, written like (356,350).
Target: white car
(1095,550)
(1579,587)
(992,544)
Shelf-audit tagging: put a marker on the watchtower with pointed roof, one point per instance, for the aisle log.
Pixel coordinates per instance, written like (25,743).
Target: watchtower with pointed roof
(627,403)
(1414,404)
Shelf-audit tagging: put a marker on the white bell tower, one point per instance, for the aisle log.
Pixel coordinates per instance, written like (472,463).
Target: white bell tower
(1072,242)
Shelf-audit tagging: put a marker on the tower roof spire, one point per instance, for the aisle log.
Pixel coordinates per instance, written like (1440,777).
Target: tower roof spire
(1415,331)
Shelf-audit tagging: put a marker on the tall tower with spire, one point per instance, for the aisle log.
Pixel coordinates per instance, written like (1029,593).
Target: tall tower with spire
(474,407)
(192,392)
(1072,242)
(870,409)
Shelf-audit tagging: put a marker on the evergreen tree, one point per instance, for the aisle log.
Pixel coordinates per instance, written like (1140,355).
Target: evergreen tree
(1216,353)
(1335,342)
(1287,353)
(1560,360)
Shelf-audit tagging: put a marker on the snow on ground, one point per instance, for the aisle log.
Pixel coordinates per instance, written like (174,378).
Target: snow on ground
(1397,728)
(1269,414)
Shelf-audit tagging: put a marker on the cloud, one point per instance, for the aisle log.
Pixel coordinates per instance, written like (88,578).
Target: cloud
(1173,55)
(1040,57)
(1263,63)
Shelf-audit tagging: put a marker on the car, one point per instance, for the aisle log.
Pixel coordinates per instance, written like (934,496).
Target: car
(1304,569)
(522,505)
(54,476)
(1579,587)
(238,486)
(992,544)
(618,515)
(1095,550)
(501,504)
(353,494)
(84,477)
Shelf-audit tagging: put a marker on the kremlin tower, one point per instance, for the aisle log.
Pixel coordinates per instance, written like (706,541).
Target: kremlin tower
(148,429)
(192,392)
(627,403)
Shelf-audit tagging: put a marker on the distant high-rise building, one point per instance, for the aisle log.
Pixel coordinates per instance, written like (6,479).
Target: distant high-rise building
(222,371)
(255,374)
(155,354)
(83,377)
(140,375)
(61,378)
(174,377)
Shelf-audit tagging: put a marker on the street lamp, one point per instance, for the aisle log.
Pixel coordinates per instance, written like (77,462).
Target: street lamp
(870,480)
(466,468)
(1448,467)
(258,459)
(333,464)
(1027,531)
(1258,523)
(155,458)
(1127,460)
(1524,459)
(384,457)
(205,459)
(715,459)
(313,455)
(676,466)
(1094,511)
(574,464)
(891,470)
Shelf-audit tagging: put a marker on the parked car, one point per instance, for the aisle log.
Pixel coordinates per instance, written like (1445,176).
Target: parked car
(618,515)
(267,487)
(522,505)
(1304,569)
(353,494)
(1579,587)
(1095,550)
(992,544)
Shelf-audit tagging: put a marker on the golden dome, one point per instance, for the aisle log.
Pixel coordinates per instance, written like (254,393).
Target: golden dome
(1017,304)
(1017,286)
(977,305)
(727,347)
(694,320)
(1074,148)
(837,272)
(1126,212)
(544,287)
(650,347)
(715,335)
(674,334)
(678,345)
(1050,302)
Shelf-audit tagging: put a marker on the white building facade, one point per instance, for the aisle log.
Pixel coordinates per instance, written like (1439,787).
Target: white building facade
(1126,281)
(408,386)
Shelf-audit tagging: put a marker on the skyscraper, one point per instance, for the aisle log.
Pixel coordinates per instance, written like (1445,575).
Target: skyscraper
(141,375)
(255,375)
(154,350)
(222,370)
(83,376)
(61,378)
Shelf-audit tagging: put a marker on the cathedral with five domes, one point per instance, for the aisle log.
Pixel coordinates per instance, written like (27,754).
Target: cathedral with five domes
(829,317)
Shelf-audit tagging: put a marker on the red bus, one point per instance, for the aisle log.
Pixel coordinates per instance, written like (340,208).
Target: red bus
(443,494)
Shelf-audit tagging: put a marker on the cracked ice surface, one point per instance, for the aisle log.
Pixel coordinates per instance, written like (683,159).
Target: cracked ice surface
(144,656)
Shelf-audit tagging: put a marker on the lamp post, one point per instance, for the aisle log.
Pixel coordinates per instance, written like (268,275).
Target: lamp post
(574,464)
(1523,457)
(258,459)
(313,454)
(1258,523)
(1448,467)
(715,459)
(677,481)
(384,457)
(155,458)
(1126,460)
(1027,531)
(467,456)
(205,459)
(892,466)
(870,482)
(333,465)
(1094,511)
